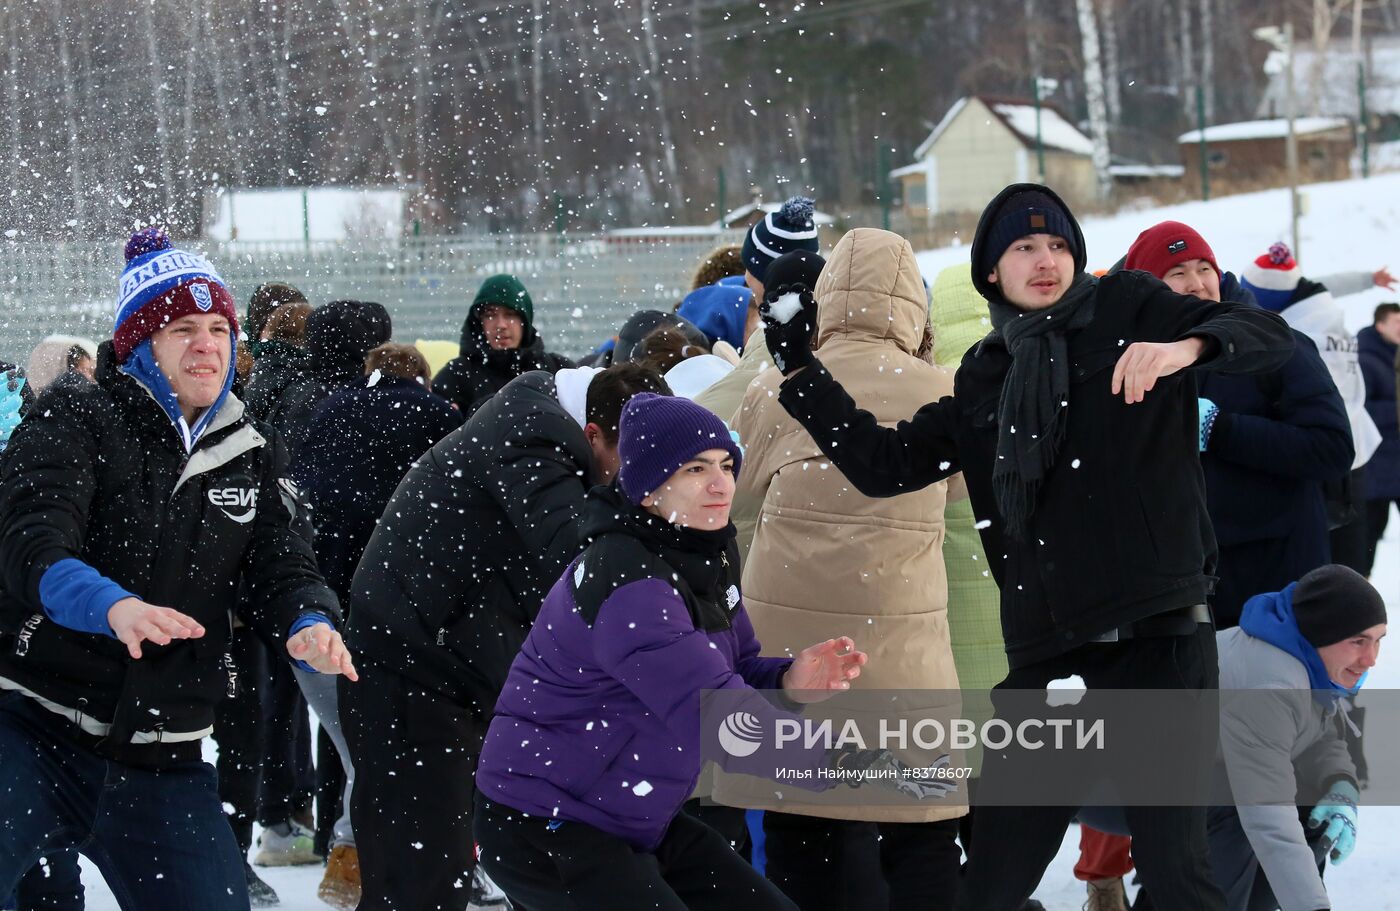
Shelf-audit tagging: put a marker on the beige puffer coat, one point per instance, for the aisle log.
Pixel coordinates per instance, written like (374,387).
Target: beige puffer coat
(827,561)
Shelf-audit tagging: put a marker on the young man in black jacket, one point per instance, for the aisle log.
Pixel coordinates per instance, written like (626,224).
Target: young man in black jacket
(499,343)
(147,488)
(1076,429)
(452,578)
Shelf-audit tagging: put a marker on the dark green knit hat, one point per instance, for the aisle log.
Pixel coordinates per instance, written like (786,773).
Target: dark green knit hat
(505,291)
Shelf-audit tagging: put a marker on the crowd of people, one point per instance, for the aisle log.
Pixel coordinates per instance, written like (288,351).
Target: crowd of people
(449,628)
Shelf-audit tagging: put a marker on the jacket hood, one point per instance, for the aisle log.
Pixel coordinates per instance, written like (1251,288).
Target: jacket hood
(1270,617)
(341,333)
(1369,341)
(719,310)
(984,226)
(641,323)
(871,289)
(1231,291)
(958,313)
(473,342)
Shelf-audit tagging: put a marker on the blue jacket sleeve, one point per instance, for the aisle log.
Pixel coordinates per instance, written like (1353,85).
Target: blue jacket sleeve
(302,623)
(77,596)
(1308,437)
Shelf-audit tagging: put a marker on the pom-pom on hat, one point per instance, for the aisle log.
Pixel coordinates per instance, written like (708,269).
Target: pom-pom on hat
(161,283)
(1273,277)
(658,434)
(792,227)
(1166,245)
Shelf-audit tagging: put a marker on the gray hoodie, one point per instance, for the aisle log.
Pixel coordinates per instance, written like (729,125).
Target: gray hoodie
(1294,739)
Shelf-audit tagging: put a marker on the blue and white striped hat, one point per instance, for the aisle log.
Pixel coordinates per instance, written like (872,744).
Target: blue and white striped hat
(790,228)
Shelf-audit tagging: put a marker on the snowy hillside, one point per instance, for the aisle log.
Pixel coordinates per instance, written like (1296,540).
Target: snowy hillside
(1350,225)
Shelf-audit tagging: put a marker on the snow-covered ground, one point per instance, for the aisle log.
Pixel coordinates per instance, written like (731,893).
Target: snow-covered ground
(1349,226)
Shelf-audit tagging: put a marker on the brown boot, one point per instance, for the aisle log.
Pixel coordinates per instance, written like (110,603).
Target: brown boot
(340,887)
(1106,895)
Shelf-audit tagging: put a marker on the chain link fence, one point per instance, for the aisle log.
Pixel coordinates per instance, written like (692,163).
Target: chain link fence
(583,286)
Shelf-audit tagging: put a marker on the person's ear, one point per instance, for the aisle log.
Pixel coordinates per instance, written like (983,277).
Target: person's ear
(648,501)
(992,276)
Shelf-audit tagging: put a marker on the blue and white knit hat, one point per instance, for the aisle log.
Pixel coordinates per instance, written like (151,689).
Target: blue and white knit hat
(790,228)
(161,284)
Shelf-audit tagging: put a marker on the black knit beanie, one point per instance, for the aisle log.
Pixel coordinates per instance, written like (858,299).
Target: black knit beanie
(1030,211)
(1333,603)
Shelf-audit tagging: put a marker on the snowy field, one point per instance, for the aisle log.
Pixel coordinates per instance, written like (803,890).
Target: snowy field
(1349,226)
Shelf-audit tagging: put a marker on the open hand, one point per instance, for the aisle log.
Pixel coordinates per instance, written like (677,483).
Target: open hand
(823,670)
(322,648)
(1382,278)
(1144,363)
(134,621)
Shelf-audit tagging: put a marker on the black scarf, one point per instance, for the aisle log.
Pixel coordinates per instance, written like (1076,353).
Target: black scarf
(1034,395)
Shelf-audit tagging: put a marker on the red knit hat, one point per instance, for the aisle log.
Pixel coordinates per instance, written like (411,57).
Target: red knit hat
(1165,246)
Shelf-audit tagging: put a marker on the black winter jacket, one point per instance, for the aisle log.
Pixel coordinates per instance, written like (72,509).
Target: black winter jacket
(479,371)
(470,543)
(1277,438)
(363,439)
(338,336)
(1119,531)
(99,474)
(279,366)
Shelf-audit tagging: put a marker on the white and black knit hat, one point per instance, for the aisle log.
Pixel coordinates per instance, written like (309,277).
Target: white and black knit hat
(790,228)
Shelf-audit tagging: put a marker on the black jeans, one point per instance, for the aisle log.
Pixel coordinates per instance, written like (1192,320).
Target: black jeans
(1235,866)
(415,755)
(158,837)
(546,865)
(818,864)
(240,730)
(1377,518)
(1016,844)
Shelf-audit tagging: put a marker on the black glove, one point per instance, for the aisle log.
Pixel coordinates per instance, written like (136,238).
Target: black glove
(787,327)
(884,768)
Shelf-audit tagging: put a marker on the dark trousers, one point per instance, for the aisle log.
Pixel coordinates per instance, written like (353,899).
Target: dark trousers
(819,866)
(241,733)
(1235,866)
(415,755)
(1016,844)
(730,822)
(53,884)
(545,865)
(1377,518)
(158,837)
(288,775)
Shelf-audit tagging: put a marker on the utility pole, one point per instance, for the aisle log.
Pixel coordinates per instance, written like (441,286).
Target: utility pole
(1204,148)
(1292,147)
(1039,146)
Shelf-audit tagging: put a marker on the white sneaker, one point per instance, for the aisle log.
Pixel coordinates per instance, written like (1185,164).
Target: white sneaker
(485,893)
(287,844)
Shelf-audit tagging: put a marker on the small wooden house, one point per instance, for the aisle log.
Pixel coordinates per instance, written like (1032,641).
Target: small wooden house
(985,142)
(1254,153)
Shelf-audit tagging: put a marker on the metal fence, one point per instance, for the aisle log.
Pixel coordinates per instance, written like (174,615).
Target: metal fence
(583,286)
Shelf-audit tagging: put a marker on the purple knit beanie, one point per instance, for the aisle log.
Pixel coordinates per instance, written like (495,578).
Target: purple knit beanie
(660,433)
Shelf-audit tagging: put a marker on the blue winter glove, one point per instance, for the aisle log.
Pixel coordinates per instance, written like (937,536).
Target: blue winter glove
(1337,813)
(1208,413)
(10,402)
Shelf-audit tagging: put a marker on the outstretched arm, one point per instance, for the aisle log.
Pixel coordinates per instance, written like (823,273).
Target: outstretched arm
(879,461)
